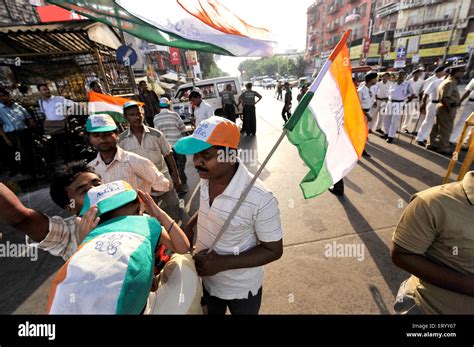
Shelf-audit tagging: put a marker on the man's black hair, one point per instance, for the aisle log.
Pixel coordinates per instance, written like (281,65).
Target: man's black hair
(63,177)
(41,85)
(140,83)
(195,95)
(93,84)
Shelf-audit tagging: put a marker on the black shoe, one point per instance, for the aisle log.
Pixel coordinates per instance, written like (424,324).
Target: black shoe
(415,133)
(365,154)
(421,143)
(405,131)
(384,137)
(389,139)
(370,131)
(432,148)
(380,131)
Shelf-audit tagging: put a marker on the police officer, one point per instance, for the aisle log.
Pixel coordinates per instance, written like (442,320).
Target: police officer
(399,93)
(228,103)
(367,97)
(247,98)
(449,100)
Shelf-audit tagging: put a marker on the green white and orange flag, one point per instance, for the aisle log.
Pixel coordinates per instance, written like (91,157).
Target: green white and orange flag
(107,104)
(329,127)
(201,25)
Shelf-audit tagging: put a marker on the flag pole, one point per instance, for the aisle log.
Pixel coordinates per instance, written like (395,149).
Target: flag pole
(247,189)
(288,127)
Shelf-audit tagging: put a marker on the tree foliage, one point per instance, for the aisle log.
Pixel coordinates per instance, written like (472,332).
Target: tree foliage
(273,66)
(209,67)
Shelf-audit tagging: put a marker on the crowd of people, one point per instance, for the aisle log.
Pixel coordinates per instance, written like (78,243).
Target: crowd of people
(142,170)
(128,215)
(425,108)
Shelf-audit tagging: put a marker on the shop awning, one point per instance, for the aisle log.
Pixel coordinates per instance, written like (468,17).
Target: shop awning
(55,39)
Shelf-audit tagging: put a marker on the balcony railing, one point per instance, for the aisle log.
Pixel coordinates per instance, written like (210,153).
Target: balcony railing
(333,9)
(389,9)
(352,17)
(332,28)
(409,4)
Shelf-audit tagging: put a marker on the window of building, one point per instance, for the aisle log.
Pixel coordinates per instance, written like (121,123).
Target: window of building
(363,11)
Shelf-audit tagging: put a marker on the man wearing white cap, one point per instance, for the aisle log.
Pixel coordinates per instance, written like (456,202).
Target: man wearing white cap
(112,270)
(232,273)
(113,163)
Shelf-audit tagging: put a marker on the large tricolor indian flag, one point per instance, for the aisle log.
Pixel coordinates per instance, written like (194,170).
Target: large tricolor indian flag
(328,126)
(107,104)
(202,25)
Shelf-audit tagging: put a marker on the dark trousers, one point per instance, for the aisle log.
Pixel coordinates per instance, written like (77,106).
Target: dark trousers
(229,112)
(181,164)
(250,120)
(286,113)
(217,306)
(20,154)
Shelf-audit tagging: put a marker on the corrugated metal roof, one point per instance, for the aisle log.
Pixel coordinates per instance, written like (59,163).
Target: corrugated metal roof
(46,39)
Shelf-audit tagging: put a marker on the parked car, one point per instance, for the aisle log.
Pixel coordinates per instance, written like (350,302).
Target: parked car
(268,83)
(211,90)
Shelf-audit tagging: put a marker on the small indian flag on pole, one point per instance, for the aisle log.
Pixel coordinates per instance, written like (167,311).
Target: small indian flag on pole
(107,104)
(329,127)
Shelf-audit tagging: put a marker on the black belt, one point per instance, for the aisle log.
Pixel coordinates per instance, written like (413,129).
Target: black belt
(397,100)
(434,101)
(366,110)
(471,100)
(382,99)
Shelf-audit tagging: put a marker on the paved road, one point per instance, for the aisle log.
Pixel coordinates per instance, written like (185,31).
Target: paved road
(305,280)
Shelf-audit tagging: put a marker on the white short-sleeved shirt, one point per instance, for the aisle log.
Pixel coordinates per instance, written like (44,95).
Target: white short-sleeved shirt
(382,89)
(400,92)
(366,97)
(416,85)
(55,107)
(432,89)
(257,219)
(203,112)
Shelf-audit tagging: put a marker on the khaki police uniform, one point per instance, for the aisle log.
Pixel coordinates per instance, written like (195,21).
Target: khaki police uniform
(449,99)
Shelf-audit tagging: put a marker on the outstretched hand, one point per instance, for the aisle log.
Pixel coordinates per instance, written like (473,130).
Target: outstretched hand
(87,223)
(150,205)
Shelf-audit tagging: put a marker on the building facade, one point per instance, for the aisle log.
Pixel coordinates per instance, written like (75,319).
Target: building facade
(423,32)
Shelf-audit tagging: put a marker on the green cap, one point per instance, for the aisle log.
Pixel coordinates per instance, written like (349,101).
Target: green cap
(108,197)
(100,123)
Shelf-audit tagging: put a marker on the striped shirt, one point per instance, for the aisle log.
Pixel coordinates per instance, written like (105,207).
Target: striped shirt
(140,172)
(63,237)
(257,219)
(170,124)
(13,118)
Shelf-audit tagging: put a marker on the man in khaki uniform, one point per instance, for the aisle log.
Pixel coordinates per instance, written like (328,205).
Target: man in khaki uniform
(434,241)
(449,101)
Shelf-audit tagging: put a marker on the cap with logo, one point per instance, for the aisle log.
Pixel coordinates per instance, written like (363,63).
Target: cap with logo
(130,104)
(100,123)
(108,197)
(214,131)
(164,102)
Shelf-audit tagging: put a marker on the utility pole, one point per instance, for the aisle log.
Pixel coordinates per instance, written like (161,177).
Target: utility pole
(455,24)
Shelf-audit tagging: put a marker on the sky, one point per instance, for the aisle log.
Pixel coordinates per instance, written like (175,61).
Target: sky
(286,20)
